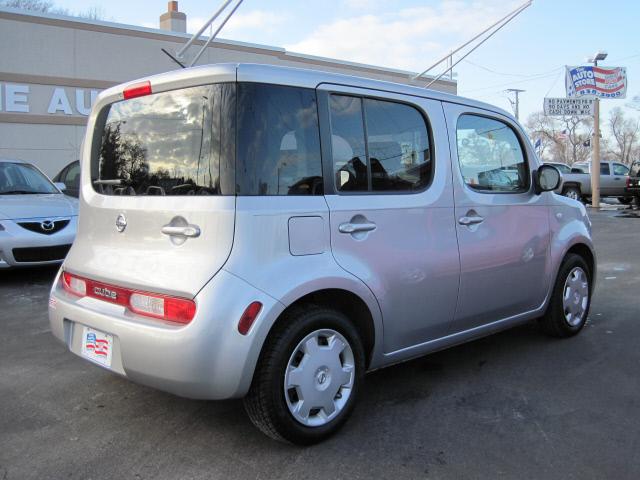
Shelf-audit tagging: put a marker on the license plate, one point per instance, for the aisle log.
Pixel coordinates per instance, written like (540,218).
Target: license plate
(97,346)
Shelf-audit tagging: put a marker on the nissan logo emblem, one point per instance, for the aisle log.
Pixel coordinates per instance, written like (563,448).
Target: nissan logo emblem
(121,223)
(47,225)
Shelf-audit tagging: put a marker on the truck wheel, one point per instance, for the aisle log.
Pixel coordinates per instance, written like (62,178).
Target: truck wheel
(625,200)
(308,376)
(571,298)
(572,192)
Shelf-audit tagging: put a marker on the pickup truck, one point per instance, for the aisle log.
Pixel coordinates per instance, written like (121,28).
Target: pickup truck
(613,182)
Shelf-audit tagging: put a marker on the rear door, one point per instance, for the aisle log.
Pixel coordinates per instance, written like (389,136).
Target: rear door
(157,204)
(607,183)
(388,187)
(502,225)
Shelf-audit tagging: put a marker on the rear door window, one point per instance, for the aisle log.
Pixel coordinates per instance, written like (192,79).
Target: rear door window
(378,145)
(171,143)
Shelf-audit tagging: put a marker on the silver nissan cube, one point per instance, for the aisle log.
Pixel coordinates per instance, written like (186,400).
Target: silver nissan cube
(272,234)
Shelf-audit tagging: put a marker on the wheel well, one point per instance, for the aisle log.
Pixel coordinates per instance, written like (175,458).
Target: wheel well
(571,185)
(350,305)
(585,252)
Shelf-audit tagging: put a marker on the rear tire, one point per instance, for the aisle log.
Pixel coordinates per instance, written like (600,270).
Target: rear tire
(568,309)
(573,193)
(308,376)
(625,200)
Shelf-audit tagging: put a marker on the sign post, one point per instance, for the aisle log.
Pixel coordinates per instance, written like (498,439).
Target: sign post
(598,82)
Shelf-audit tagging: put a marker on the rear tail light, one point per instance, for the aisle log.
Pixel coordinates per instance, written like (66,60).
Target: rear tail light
(137,90)
(248,317)
(74,285)
(628,181)
(172,309)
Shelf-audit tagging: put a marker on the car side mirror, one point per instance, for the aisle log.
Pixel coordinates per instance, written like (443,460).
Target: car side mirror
(547,178)
(60,186)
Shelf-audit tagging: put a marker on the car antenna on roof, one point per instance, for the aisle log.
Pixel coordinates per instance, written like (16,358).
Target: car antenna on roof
(499,24)
(179,56)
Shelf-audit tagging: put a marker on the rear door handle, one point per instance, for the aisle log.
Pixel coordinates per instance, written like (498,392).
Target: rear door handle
(356,227)
(191,231)
(470,220)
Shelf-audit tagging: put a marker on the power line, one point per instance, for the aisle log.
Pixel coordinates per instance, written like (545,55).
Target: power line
(539,77)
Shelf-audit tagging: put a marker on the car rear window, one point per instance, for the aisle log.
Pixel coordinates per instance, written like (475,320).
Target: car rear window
(635,170)
(178,142)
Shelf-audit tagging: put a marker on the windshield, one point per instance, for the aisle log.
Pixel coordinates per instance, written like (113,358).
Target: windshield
(23,179)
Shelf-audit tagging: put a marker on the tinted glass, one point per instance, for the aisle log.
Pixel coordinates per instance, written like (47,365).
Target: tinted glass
(635,170)
(72,175)
(278,149)
(21,178)
(398,146)
(604,169)
(490,155)
(619,169)
(170,143)
(348,144)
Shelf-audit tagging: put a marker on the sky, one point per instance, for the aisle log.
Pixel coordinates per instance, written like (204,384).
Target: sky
(530,53)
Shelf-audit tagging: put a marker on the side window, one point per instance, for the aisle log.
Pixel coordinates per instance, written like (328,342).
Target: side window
(71,177)
(348,144)
(619,169)
(278,147)
(391,154)
(490,155)
(604,169)
(399,154)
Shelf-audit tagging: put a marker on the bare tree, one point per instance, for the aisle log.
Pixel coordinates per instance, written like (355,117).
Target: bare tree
(43,6)
(564,139)
(47,6)
(625,136)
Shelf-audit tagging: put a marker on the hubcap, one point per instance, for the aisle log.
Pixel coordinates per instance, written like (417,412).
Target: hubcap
(575,296)
(319,377)
(572,194)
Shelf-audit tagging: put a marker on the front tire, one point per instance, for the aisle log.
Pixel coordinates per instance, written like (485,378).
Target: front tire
(571,298)
(625,200)
(573,193)
(308,376)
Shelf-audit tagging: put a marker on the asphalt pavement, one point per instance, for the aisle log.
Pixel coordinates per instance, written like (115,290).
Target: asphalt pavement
(514,405)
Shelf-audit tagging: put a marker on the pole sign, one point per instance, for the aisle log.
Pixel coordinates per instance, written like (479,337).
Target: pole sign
(602,82)
(569,107)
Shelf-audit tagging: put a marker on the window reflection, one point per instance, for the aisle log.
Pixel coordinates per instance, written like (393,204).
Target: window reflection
(168,143)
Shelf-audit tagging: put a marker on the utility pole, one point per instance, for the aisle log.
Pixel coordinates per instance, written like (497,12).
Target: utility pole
(515,104)
(595,156)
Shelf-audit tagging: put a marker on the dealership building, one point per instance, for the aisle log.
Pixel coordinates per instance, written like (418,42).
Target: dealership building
(52,67)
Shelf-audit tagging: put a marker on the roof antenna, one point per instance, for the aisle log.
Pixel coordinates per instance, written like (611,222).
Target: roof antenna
(499,24)
(179,57)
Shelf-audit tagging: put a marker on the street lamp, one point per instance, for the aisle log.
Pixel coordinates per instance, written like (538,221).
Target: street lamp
(595,157)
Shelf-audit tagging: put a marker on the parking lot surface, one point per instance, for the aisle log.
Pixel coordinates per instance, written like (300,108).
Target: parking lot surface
(514,405)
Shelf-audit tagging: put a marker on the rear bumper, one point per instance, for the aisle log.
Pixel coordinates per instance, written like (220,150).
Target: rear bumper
(207,359)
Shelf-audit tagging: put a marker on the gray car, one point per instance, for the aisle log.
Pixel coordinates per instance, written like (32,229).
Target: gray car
(272,234)
(37,222)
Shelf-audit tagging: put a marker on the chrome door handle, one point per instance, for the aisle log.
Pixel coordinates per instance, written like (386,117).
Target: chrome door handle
(470,220)
(356,227)
(190,231)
